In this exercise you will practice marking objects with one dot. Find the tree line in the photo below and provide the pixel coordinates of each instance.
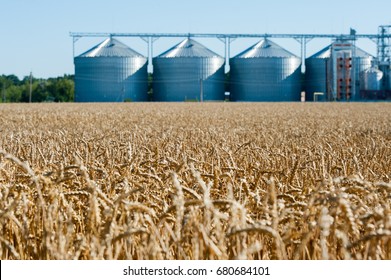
(60, 89)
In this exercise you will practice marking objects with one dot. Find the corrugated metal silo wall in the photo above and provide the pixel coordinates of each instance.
(111, 79)
(315, 78)
(362, 64)
(265, 79)
(371, 79)
(388, 79)
(178, 79)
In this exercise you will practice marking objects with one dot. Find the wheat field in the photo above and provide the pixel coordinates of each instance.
(195, 181)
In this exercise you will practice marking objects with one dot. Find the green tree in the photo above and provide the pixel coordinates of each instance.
(13, 94)
(40, 93)
(65, 90)
(60, 89)
(12, 80)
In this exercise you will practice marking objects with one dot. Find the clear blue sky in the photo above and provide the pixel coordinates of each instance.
(35, 33)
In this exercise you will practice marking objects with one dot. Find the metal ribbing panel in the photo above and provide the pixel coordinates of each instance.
(363, 63)
(371, 79)
(179, 78)
(265, 79)
(388, 77)
(185, 71)
(386, 81)
(110, 79)
(265, 72)
(316, 78)
(136, 79)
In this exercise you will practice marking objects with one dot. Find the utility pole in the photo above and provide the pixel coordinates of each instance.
(31, 86)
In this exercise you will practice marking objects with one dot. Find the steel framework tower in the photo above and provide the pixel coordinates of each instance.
(384, 43)
(227, 39)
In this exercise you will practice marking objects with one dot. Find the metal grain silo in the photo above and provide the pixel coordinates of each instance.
(385, 67)
(371, 84)
(319, 76)
(265, 72)
(371, 79)
(111, 72)
(187, 72)
(388, 84)
(316, 73)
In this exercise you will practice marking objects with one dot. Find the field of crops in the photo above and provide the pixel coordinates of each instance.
(195, 181)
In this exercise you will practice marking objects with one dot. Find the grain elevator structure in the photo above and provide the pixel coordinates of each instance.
(110, 72)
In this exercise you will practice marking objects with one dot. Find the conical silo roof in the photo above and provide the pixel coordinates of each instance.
(263, 49)
(188, 48)
(326, 53)
(111, 48)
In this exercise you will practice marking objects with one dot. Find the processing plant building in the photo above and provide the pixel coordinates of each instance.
(337, 72)
(189, 71)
